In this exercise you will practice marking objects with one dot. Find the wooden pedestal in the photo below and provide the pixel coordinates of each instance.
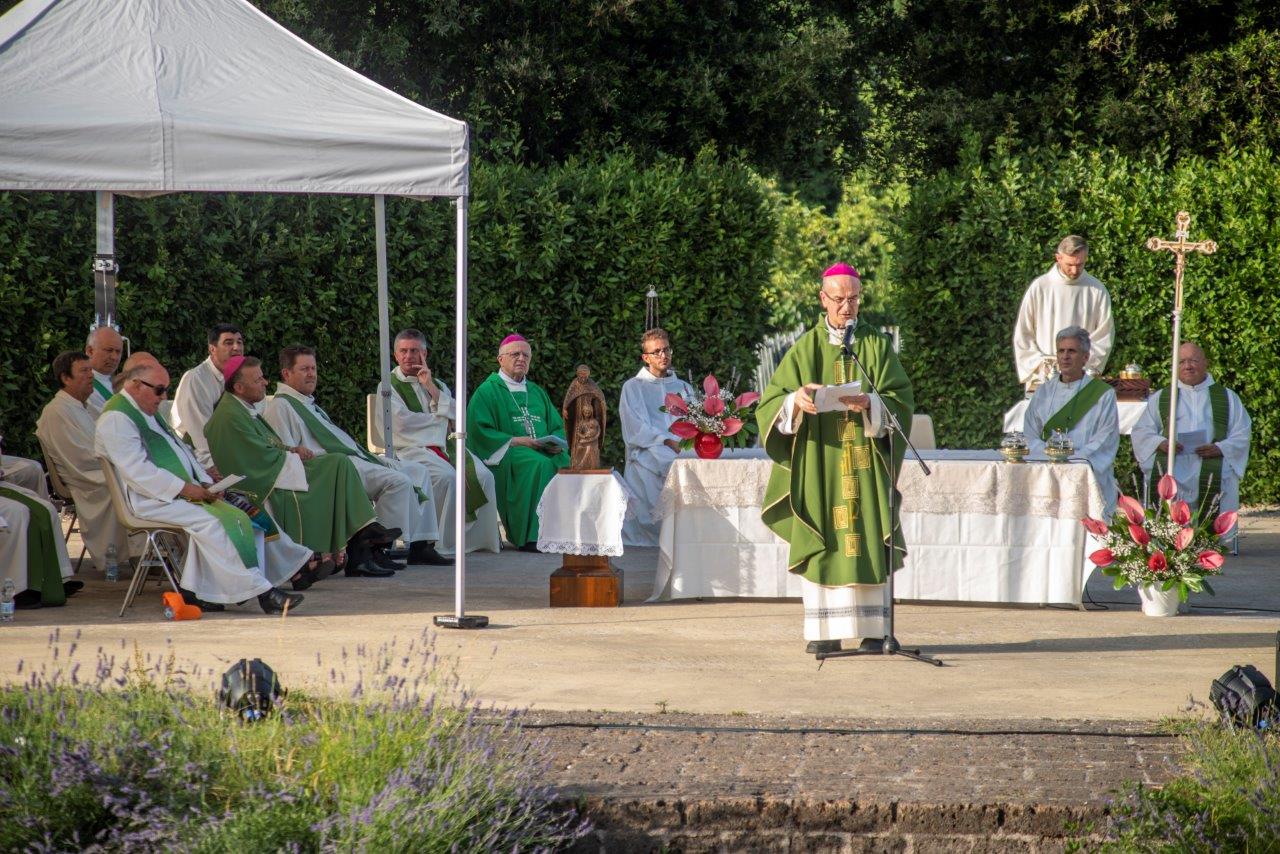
(586, 581)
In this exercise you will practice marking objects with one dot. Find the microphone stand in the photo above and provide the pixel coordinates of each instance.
(890, 645)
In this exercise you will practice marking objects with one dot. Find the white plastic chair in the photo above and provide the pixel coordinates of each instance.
(64, 495)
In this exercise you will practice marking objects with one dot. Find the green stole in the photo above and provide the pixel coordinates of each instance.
(233, 520)
(1074, 409)
(475, 492)
(43, 572)
(102, 390)
(1211, 469)
(828, 491)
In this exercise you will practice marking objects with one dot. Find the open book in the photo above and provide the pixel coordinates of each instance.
(225, 484)
(827, 398)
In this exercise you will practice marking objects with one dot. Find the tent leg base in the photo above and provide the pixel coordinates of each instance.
(467, 621)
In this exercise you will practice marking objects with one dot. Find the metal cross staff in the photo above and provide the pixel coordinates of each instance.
(1179, 246)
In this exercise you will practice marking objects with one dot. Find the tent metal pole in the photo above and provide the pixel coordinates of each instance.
(104, 262)
(460, 619)
(384, 323)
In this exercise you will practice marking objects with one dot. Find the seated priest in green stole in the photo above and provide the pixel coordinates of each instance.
(400, 490)
(32, 552)
(1082, 407)
(828, 491)
(515, 429)
(319, 501)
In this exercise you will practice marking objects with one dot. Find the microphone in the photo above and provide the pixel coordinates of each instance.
(848, 336)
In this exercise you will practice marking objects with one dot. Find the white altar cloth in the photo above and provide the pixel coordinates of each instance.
(581, 514)
(978, 530)
(1129, 411)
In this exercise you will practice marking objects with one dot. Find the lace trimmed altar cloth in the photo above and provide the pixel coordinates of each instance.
(582, 514)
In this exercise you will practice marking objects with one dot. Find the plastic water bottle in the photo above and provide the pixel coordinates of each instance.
(6, 601)
(113, 568)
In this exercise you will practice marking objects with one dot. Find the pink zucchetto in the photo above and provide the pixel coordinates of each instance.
(841, 269)
(230, 366)
(514, 336)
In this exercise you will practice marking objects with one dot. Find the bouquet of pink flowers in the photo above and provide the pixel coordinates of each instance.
(1162, 547)
(713, 420)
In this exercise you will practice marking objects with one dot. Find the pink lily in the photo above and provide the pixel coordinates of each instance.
(1209, 559)
(1132, 509)
(1180, 512)
(1157, 562)
(1225, 522)
(675, 404)
(1094, 526)
(1167, 488)
(1139, 534)
(731, 426)
(713, 405)
(1184, 538)
(746, 399)
(1103, 557)
(684, 430)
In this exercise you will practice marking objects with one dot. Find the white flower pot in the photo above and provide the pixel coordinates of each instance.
(1157, 602)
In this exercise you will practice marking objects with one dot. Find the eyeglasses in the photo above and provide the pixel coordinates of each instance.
(516, 355)
(853, 300)
(160, 390)
(661, 351)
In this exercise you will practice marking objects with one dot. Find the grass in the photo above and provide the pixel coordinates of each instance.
(139, 757)
(1226, 799)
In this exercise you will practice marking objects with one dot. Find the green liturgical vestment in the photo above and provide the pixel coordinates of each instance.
(496, 414)
(44, 575)
(323, 518)
(828, 493)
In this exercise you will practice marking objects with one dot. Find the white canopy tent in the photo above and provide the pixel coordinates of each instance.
(143, 97)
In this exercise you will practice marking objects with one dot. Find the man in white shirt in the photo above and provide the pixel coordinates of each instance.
(651, 448)
(422, 411)
(1217, 429)
(200, 389)
(104, 348)
(66, 429)
(1064, 296)
(1083, 408)
(400, 490)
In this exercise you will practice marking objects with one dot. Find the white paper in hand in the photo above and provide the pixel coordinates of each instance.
(225, 484)
(827, 398)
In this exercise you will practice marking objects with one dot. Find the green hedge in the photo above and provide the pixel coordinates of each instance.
(563, 255)
(969, 241)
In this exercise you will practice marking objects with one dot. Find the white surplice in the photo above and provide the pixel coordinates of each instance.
(644, 430)
(854, 610)
(1096, 436)
(1052, 303)
(413, 434)
(193, 403)
(26, 473)
(212, 568)
(66, 428)
(390, 487)
(1195, 414)
(14, 555)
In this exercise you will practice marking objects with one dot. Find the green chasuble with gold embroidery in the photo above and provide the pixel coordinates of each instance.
(324, 517)
(496, 414)
(828, 493)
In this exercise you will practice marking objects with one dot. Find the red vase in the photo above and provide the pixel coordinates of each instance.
(708, 446)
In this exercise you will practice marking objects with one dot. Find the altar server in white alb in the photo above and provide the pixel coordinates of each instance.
(422, 412)
(1082, 407)
(1213, 434)
(66, 430)
(392, 485)
(1064, 296)
(201, 388)
(104, 348)
(646, 430)
(164, 482)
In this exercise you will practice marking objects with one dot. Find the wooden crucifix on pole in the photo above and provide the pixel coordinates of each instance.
(1179, 246)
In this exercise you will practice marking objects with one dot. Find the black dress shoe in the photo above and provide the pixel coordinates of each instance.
(531, 546)
(376, 535)
(815, 647)
(424, 552)
(275, 600)
(71, 588)
(27, 600)
(190, 599)
(366, 568)
(384, 560)
(872, 645)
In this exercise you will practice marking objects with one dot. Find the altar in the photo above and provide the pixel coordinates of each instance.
(978, 530)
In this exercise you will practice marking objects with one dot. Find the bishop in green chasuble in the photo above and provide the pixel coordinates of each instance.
(828, 492)
(325, 515)
(507, 416)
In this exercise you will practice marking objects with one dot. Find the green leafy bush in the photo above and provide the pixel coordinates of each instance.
(969, 240)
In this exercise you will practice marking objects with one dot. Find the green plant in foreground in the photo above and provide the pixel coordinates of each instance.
(140, 759)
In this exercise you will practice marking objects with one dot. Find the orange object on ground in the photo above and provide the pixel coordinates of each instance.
(176, 609)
